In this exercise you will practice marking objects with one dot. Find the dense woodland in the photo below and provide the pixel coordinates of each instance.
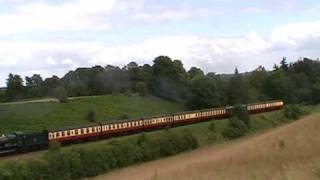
(297, 82)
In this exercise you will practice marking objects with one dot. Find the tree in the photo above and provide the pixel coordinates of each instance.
(241, 113)
(236, 72)
(257, 81)
(284, 65)
(34, 86)
(316, 91)
(279, 85)
(194, 72)
(237, 89)
(204, 93)
(61, 94)
(15, 89)
(131, 65)
(169, 79)
(77, 82)
(2, 95)
(50, 84)
(142, 88)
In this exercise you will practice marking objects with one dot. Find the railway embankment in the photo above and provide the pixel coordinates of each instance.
(77, 161)
(290, 152)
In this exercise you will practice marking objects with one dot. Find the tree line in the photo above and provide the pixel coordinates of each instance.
(297, 82)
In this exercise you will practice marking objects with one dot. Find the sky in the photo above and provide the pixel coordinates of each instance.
(51, 37)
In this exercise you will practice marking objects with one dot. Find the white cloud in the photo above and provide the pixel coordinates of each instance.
(291, 34)
(211, 54)
(51, 61)
(67, 61)
(87, 15)
(69, 16)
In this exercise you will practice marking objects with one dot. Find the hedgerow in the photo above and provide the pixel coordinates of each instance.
(83, 162)
(292, 111)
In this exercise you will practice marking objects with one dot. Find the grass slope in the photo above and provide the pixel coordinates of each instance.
(203, 132)
(32, 117)
(288, 152)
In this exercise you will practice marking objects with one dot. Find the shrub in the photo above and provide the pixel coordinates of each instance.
(212, 127)
(61, 94)
(91, 117)
(142, 89)
(141, 138)
(241, 113)
(124, 116)
(212, 133)
(37, 169)
(235, 129)
(292, 111)
(80, 162)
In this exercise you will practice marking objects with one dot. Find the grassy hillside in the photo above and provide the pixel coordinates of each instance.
(287, 152)
(108, 154)
(37, 116)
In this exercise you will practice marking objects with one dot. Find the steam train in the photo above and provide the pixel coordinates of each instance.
(22, 142)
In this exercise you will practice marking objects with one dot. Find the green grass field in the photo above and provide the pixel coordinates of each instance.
(32, 117)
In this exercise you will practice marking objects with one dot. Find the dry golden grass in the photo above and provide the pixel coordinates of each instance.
(287, 152)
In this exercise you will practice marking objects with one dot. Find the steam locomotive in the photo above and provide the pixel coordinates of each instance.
(22, 142)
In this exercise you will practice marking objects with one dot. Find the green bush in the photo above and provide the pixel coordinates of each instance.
(212, 127)
(83, 162)
(91, 116)
(235, 129)
(124, 116)
(292, 111)
(241, 113)
(61, 94)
